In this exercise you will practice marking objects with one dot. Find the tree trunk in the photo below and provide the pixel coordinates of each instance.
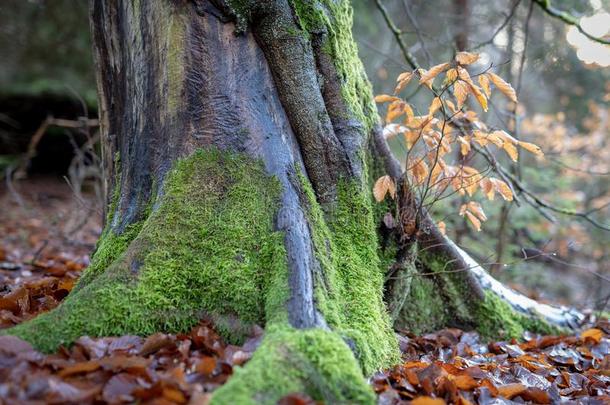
(240, 141)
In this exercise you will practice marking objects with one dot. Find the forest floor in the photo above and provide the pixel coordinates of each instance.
(45, 242)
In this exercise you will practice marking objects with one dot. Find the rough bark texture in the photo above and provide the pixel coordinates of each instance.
(239, 147)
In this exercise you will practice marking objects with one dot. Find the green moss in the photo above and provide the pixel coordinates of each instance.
(424, 310)
(335, 17)
(313, 361)
(209, 248)
(349, 290)
(427, 310)
(496, 319)
(109, 248)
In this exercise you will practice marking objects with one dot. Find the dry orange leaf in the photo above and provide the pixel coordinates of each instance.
(502, 188)
(403, 79)
(510, 391)
(384, 98)
(503, 86)
(173, 395)
(460, 91)
(530, 147)
(484, 82)
(478, 94)
(477, 210)
(464, 145)
(420, 171)
(424, 400)
(474, 221)
(466, 58)
(383, 185)
(78, 368)
(435, 105)
(593, 334)
(442, 227)
(427, 77)
(511, 151)
(465, 382)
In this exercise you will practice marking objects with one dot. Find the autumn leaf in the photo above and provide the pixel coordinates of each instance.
(395, 110)
(464, 145)
(488, 188)
(593, 334)
(79, 368)
(383, 185)
(403, 79)
(470, 178)
(474, 221)
(502, 188)
(408, 112)
(206, 365)
(505, 136)
(435, 105)
(464, 382)
(427, 77)
(477, 210)
(384, 98)
(511, 151)
(411, 138)
(442, 227)
(425, 400)
(466, 58)
(460, 91)
(404, 76)
(530, 147)
(420, 171)
(484, 82)
(510, 391)
(503, 86)
(452, 75)
(478, 94)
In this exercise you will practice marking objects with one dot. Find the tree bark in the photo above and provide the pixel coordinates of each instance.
(240, 141)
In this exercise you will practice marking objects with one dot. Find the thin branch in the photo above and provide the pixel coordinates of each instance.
(569, 19)
(397, 34)
(534, 200)
(501, 27)
(591, 172)
(415, 24)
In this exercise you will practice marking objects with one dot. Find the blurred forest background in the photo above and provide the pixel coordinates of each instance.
(554, 248)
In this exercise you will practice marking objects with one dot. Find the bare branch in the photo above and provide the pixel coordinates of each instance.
(569, 19)
(397, 34)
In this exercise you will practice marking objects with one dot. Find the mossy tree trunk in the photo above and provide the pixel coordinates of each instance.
(240, 141)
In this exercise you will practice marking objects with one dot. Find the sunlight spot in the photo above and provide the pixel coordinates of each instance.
(589, 51)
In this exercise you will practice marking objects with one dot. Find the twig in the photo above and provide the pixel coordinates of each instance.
(534, 200)
(397, 34)
(569, 19)
(501, 27)
(415, 24)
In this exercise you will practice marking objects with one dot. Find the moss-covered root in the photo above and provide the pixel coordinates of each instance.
(314, 361)
(209, 248)
(426, 310)
(495, 318)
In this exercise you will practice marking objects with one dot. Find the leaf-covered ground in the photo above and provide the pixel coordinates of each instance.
(39, 263)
